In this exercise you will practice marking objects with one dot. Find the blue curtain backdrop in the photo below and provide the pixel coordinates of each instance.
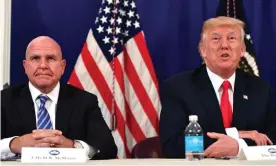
(171, 27)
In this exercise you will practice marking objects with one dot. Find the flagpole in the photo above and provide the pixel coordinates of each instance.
(113, 116)
(5, 34)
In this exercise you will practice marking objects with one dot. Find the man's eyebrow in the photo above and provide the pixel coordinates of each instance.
(232, 33)
(51, 55)
(34, 55)
(215, 33)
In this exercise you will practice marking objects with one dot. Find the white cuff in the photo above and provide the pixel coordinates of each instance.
(5, 147)
(90, 151)
(233, 132)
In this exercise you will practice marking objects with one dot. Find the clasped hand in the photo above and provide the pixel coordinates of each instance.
(225, 146)
(259, 138)
(41, 138)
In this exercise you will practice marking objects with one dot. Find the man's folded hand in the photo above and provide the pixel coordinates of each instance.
(259, 138)
(225, 146)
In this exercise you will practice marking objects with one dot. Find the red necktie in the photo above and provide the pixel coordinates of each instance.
(225, 105)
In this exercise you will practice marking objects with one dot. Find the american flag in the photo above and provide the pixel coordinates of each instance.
(235, 8)
(115, 64)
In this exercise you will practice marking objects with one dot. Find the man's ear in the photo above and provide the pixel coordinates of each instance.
(243, 49)
(24, 65)
(202, 50)
(63, 65)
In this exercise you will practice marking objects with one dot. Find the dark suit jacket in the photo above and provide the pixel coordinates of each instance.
(192, 93)
(77, 116)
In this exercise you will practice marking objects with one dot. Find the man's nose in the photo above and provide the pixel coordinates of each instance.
(43, 63)
(224, 44)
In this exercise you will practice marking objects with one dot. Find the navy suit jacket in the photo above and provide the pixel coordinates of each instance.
(192, 93)
(77, 116)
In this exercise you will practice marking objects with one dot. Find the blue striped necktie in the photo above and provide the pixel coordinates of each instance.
(44, 120)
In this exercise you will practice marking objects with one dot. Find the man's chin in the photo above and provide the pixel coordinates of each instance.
(226, 66)
(44, 84)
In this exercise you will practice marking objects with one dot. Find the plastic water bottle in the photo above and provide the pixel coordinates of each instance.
(194, 140)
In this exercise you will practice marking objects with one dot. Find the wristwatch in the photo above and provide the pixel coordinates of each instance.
(77, 144)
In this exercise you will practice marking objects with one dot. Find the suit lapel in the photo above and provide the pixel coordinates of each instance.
(64, 109)
(26, 110)
(240, 103)
(209, 100)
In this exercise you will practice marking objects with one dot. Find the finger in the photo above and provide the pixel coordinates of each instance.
(42, 145)
(42, 134)
(45, 133)
(263, 140)
(208, 151)
(244, 135)
(267, 139)
(242, 132)
(57, 140)
(57, 132)
(215, 135)
(257, 140)
(214, 154)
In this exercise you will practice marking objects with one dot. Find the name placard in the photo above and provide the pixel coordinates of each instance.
(53, 155)
(259, 153)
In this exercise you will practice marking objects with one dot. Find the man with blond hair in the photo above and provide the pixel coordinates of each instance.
(234, 108)
(44, 113)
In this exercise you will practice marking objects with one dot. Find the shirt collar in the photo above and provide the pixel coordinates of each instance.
(217, 80)
(53, 95)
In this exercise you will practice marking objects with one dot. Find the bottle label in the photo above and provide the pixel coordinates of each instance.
(193, 143)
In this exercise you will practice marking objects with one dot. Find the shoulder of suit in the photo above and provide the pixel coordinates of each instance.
(253, 79)
(186, 76)
(77, 91)
(14, 90)
(179, 77)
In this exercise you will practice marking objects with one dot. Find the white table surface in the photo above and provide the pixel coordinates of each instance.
(151, 162)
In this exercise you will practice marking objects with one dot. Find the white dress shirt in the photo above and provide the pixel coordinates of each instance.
(50, 105)
(217, 82)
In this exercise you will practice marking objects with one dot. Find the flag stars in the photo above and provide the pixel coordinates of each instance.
(128, 23)
(112, 50)
(248, 37)
(115, 11)
(104, 19)
(126, 33)
(125, 3)
(118, 30)
(132, 4)
(136, 24)
(115, 40)
(97, 20)
(107, 10)
(100, 29)
(106, 40)
(122, 12)
(109, 30)
(130, 14)
(109, 1)
(119, 20)
(100, 11)
(112, 20)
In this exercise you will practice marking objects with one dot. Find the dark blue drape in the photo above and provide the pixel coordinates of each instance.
(171, 27)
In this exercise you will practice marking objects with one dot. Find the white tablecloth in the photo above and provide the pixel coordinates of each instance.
(144, 162)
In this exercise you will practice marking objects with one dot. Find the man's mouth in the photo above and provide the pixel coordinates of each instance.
(44, 75)
(225, 55)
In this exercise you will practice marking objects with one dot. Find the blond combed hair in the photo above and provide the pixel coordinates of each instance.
(221, 21)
